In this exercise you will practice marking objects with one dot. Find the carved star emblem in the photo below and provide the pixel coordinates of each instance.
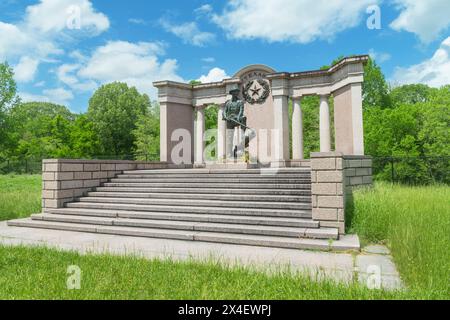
(255, 91)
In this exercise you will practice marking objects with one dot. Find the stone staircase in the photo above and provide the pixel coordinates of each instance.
(237, 206)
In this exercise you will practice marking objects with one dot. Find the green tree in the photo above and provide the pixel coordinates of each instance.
(33, 128)
(84, 141)
(114, 110)
(8, 98)
(147, 134)
(375, 88)
(410, 94)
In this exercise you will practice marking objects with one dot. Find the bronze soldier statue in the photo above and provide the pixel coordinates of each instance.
(234, 111)
(234, 116)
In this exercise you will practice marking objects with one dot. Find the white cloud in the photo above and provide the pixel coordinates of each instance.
(299, 21)
(137, 21)
(214, 75)
(204, 9)
(57, 95)
(209, 60)
(427, 18)
(189, 32)
(66, 74)
(14, 42)
(137, 64)
(434, 72)
(39, 84)
(57, 15)
(26, 69)
(379, 57)
(44, 29)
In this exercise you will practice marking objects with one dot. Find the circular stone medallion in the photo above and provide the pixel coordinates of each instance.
(256, 91)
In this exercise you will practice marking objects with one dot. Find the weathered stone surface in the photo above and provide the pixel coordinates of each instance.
(108, 167)
(82, 175)
(71, 167)
(48, 176)
(52, 185)
(329, 176)
(354, 163)
(324, 164)
(376, 249)
(356, 181)
(71, 184)
(51, 167)
(324, 188)
(63, 176)
(330, 202)
(91, 167)
(367, 180)
(340, 225)
(363, 171)
(48, 194)
(324, 214)
(63, 193)
(350, 172)
(91, 183)
(99, 175)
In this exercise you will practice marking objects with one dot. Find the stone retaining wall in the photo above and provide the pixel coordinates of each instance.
(65, 180)
(333, 177)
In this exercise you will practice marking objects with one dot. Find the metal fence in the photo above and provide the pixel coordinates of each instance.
(412, 170)
(407, 170)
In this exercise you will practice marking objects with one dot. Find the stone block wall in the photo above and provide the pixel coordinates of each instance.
(65, 180)
(333, 177)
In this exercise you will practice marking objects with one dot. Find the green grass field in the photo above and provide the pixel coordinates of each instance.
(413, 221)
(20, 196)
(41, 273)
(415, 224)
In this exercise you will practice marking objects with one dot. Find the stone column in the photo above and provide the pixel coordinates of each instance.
(325, 138)
(348, 120)
(199, 139)
(176, 122)
(221, 134)
(297, 130)
(280, 146)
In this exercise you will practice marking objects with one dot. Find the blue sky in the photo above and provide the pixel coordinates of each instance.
(62, 50)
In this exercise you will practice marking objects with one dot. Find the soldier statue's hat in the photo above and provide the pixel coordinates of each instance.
(234, 88)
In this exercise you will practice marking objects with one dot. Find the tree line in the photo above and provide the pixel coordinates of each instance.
(408, 121)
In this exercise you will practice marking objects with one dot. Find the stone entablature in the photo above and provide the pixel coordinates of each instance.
(333, 178)
(64, 180)
(347, 71)
(267, 96)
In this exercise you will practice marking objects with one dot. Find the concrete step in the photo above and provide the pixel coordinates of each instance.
(240, 186)
(293, 232)
(194, 209)
(241, 239)
(303, 175)
(212, 180)
(262, 171)
(213, 218)
(202, 203)
(215, 191)
(201, 196)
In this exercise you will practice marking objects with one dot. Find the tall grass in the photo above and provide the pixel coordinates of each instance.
(41, 273)
(415, 223)
(20, 196)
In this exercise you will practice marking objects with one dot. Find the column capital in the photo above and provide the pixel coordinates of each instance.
(201, 107)
(324, 95)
